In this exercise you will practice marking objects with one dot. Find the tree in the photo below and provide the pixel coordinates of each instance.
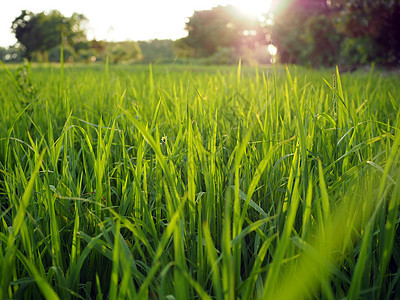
(376, 22)
(222, 27)
(10, 54)
(323, 41)
(127, 52)
(157, 51)
(182, 49)
(353, 31)
(296, 31)
(38, 33)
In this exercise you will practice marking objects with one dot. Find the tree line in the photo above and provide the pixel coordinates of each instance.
(40, 37)
(327, 32)
(308, 32)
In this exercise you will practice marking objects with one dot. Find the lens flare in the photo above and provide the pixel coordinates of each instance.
(253, 7)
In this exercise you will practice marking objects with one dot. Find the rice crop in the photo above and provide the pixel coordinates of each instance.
(198, 182)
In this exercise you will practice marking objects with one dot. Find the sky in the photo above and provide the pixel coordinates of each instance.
(119, 20)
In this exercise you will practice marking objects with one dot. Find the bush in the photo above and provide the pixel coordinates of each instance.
(355, 51)
(322, 41)
(224, 55)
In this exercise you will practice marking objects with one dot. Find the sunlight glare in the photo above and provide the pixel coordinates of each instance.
(253, 7)
(272, 49)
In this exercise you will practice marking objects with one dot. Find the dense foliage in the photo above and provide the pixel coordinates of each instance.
(39, 33)
(308, 32)
(157, 51)
(222, 27)
(319, 32)
(176, 182)
(305, 34)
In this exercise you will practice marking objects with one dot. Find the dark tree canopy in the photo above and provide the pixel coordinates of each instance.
(309, 32)
(38, 33)
(375, 20)
(300, 28)
(337, 31)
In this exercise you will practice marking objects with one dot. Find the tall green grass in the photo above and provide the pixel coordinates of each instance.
(187, 182)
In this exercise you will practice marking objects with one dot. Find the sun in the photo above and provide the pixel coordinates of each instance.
(253, 7)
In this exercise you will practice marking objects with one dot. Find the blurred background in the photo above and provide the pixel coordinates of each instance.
(315, 33)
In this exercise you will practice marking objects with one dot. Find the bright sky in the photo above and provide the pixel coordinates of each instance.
(118, 20)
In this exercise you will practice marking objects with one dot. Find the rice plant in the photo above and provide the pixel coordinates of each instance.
(195, 182)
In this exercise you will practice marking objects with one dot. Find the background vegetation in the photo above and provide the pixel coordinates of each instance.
(319, 32)
(315, 33)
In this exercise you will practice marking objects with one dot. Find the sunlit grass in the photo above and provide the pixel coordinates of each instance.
(198, 182)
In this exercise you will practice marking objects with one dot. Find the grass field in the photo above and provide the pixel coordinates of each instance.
(178, 182)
